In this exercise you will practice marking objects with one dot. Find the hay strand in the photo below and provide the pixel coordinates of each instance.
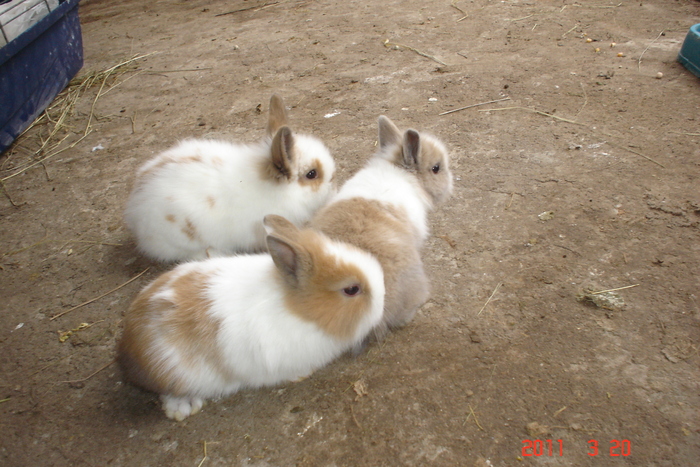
(473, 105)
(614, 290)
(639, 62)
(465, 15)
(64, 104)
(413, 49)
(534, 111)
(103, 295)
(487, 301)
(205, 455)
(476, 420)
(91, 374)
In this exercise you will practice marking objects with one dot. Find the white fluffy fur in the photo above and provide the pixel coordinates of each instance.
(383, 181)
(228, 175)
(263, 343)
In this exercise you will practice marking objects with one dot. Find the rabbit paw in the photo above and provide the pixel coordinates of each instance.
(179, 408)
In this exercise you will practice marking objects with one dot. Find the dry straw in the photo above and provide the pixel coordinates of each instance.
(63, 107)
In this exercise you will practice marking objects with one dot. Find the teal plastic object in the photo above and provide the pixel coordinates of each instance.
(689, 55)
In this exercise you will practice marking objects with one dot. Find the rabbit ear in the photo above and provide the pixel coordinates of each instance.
(291, 260)
(411, 148)
(282, 152)
(275, 224)
(389, 134)
(278, 115)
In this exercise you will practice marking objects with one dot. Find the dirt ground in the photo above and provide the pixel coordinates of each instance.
(585, 180)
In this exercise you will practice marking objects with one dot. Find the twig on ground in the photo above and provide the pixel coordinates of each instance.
(639, 62)
(352, 412)
(133, 123)
(43, 240)
(585, 100)
(487, 301)
(205, 455)
(567, 32)
(91, 374)
(178, 71)
(122, 82)
(265, 5)
(50, 364)
(40, 161)
(534, 111)
(464, 13)
(4, 190)
(614, 290)
(103, 295)
(512, 195)
(94, 102)
(590, 6)
(476, 420)
(637, 153)
(413, 49)
(473, 105)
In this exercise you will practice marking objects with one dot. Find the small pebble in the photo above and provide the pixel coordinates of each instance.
(659, 75)
(620, 54)
(589, 39)
(597, 49)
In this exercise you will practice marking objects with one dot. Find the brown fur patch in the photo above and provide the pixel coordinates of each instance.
(170, 218)
(182, 322)
(137, 338)
(319, 297)
(163, 160)
(167, 159)
(211, 202)
(314, 183)
(386, 233)
(190, 230)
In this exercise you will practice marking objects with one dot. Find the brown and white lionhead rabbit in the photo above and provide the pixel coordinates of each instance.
(206, 198)
(207, 329)
(383, 209)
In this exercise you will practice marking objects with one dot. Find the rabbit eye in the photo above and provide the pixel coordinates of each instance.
(311, 174)
(352, 290)
(436, 168)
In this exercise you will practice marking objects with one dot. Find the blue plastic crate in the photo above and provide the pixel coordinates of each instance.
(689, 55)
(36, 66)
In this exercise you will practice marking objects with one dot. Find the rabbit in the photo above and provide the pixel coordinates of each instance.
(209, 328)
(207, 198)
(383, 209)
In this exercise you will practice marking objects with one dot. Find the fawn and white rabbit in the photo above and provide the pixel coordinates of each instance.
(205, 198)
(383, 209)
(209, 328)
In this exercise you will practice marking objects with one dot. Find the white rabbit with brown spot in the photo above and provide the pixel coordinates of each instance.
(207, 329)
(205, 198)
(383, 209)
